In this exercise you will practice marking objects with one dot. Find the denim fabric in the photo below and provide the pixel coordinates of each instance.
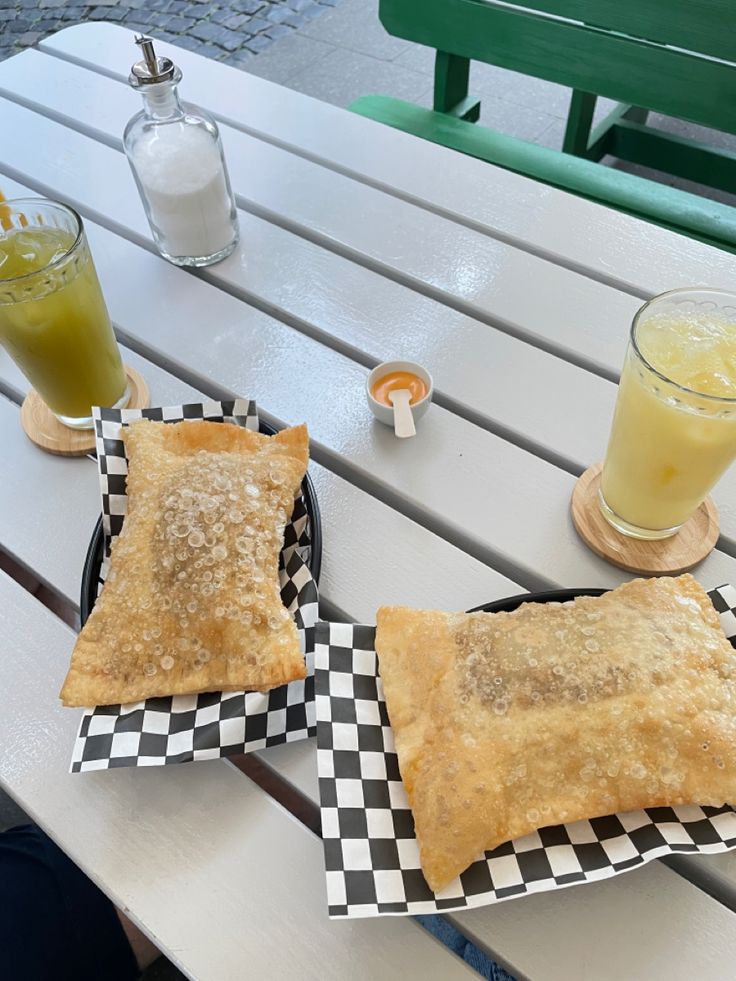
(461, 946)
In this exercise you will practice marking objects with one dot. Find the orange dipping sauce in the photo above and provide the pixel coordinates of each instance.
(395, 380)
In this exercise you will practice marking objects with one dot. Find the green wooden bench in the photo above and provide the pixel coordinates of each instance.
(676, 57)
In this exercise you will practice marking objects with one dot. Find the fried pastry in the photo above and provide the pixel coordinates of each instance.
(192, 600)
(508, 722)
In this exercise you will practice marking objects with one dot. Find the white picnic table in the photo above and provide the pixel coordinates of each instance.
(358, 244)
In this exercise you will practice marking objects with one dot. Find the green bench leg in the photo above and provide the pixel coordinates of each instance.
(678, 155)
(623, 133)
(451, 75)
(579, 121)
(582, 140)
(604, 140)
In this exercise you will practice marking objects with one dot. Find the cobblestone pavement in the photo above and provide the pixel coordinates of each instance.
(232, 31)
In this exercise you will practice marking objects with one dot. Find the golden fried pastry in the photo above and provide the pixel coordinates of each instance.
(192, 600)
(508, 722)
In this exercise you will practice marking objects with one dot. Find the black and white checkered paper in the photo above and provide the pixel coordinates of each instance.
(182, 728)
(371, 853)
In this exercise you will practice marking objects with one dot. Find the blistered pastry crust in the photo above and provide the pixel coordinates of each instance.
(192, 600)
(505, 723)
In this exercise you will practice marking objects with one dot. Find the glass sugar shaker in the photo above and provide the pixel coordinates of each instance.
(176, 156)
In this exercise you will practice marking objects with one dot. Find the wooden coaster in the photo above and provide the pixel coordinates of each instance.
(44, 429)
(669, 556)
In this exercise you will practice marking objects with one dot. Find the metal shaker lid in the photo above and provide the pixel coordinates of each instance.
(151, 69)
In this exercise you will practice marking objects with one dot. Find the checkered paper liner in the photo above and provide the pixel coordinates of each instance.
(183, 728)
(371, 853)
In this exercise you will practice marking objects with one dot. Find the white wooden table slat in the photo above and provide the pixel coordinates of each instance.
(49, 486)
(147, 838)
(503, 504)
(470, 363)
(646, 258)
(650, 913)
(35, 492)
(484, 277)
(477, 369)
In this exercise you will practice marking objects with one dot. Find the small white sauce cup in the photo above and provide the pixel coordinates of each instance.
(385, 413)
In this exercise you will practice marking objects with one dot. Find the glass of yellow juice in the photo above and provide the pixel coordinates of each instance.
(674, 427)
(53, 320)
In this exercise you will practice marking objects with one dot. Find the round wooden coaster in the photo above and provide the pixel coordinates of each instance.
(670, 556)
(44, 429)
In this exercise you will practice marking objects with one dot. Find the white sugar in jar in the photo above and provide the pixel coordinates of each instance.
(180, 175)
(175, 153)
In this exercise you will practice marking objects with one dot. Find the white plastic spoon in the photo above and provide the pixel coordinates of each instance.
(403, 418)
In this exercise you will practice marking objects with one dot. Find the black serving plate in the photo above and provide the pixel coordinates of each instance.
(95, 552)
(512, 603)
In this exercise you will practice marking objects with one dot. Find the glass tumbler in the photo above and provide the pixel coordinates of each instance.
(674, 427)
(53, 318)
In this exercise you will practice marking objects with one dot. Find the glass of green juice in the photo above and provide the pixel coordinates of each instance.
(53, 320)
